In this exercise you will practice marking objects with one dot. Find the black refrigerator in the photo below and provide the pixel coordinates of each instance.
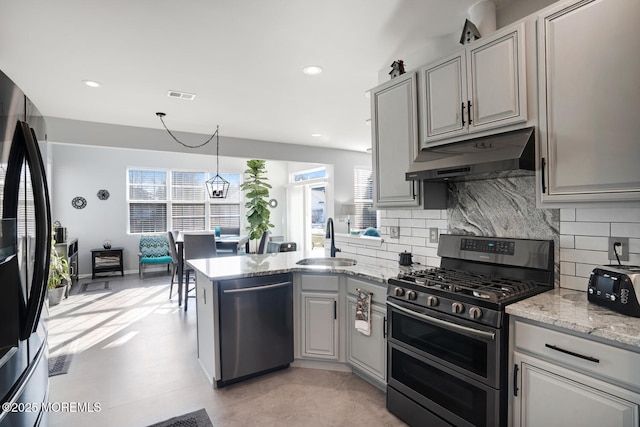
(25, 244)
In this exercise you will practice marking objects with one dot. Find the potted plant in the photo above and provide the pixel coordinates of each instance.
(257, 199)
(59, 276)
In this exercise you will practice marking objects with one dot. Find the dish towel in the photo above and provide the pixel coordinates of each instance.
(363, 312)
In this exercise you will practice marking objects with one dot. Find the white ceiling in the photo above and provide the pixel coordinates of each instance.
(243, 59)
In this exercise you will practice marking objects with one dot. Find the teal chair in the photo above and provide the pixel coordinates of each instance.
(154, 250)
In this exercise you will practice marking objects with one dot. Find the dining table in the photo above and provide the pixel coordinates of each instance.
(229, 244)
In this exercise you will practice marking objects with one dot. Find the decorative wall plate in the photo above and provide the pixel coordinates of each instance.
(103, 194)
(273, 203)
(79, 202)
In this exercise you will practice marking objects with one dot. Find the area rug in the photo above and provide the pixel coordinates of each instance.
(95, 286)
(192, 419)
(59, 365)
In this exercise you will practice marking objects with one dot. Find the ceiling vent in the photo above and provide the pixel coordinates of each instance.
(181, 95)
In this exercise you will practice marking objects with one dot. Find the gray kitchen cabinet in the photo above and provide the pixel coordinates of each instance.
(563, 379)
(320, 317)
(206, 326)
(394, 129)
(481, 87)
(368, 354)
(588, 91)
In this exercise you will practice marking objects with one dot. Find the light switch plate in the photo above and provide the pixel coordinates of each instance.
(395, 232)
(623, 251)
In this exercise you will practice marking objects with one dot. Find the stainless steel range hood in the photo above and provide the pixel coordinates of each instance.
(466, 159)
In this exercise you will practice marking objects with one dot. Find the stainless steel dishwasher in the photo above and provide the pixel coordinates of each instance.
(256, 326)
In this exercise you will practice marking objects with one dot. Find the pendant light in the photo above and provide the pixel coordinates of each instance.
(217, 187)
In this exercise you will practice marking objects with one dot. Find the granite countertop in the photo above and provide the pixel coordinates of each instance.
(283, 262)
(571, 310)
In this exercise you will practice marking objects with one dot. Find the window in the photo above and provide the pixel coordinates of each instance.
(188, 197)
(161, 200)
(363, 199)
(147, 201)
(309, 175)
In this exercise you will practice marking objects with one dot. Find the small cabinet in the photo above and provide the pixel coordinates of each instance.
(563, 379)
(69, 251)
(479, 88)
(588, 70)
(394, 128)
(368, 354)
(106, 261)
(320, 317)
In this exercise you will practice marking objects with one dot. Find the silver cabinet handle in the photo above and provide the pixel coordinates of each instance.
(256, 288)
(444, 323)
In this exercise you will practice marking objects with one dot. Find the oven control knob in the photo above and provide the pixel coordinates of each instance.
(411, 295)
(475, 313)
(457, 308)
(432, 301)
(398, 292)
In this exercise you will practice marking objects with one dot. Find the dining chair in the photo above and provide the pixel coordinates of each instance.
(262, 247)
(172, 235)
(197, 246)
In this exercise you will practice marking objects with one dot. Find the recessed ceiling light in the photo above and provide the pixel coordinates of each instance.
(91, 83)
(312, 70)
(316, 135)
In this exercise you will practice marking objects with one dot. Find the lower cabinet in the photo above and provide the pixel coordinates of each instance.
(368, 353)
(560, 378)
(320, 316)
(320, 325)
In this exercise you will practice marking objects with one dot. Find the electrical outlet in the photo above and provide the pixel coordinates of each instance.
(623, 249)
(395, 232)
(433, 235)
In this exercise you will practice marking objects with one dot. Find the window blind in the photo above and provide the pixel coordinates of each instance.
(363, 199)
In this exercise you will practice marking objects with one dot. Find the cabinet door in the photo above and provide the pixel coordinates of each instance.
(394, 128)
(320, 325)
(444, 99)
(551, 395)
(589, 90)
(497, 82)
(205, 326)
(368, 353)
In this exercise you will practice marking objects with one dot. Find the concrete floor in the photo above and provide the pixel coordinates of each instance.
(135, 355)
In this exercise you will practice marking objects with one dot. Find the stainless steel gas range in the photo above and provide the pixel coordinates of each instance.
(447, 342)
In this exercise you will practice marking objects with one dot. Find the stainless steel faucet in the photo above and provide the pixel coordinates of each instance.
(331, 233)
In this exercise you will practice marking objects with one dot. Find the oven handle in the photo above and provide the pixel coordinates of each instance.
(444, 323)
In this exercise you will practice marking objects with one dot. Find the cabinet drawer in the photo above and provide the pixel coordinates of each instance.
(379, 291)
(322, 283)
(589, 356)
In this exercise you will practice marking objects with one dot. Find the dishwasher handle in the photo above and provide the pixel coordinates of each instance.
(257, 288)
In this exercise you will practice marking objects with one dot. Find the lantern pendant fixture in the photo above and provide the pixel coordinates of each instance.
(217, 187)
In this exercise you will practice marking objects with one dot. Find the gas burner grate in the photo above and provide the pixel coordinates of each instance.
(491, 288)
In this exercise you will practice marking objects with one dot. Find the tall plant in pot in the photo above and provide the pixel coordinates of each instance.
(257, 196)
(59, 276)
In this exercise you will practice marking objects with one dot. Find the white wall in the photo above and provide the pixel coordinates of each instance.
(78, 170)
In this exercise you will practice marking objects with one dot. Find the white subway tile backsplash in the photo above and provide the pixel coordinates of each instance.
(437, 223)
(567, 241)
(399, 213)
(568, 214)
(413, 241)
(417, 223)
(576, 255)
(592, 243)
(568, 268)
(389, 222)
(608, 215)
(585, 228)
(429, 214)
(625, 229)
(573, 282)
(584, 270)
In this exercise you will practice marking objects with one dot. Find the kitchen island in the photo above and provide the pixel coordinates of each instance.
(323, 318)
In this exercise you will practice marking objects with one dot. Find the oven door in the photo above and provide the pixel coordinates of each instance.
(471, 349)
(446, 369)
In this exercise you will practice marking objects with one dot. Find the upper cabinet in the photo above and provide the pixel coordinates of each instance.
(481, 87)
(589, 87)
(394, 127)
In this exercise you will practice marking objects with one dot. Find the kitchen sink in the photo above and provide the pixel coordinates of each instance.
(328, 262)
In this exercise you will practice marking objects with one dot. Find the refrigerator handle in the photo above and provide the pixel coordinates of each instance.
(43, 230)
